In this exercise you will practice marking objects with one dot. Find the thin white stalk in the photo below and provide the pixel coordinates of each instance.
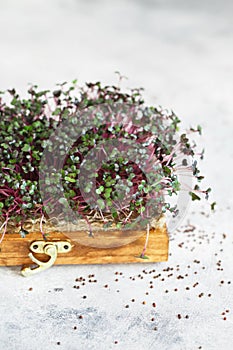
(41, 227)
(102, 215)
(4, 232)
(147, 239)
(126, 219)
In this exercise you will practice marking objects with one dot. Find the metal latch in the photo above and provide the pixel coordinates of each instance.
(45, 247)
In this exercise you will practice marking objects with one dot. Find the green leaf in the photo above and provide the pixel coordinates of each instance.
(5, 145)
(100, 190)
(144, 257)
(87, 189)
(26, 148)
(207, 193)
(71, 193)
(63, 201)
(199, 129)
(167, 171)
(118, 225)
(114, 213)
(199, 178)
(100, 204)
(212, 206)
(109, 202)
(194, 196)
(27, 205)
(69, 179)
(107, 192)
(57, 111)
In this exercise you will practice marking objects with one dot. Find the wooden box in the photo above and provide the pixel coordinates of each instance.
(15, 250)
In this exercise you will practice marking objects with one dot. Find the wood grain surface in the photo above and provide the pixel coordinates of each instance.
(14, 250)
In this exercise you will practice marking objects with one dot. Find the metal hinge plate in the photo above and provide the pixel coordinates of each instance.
(51, 249)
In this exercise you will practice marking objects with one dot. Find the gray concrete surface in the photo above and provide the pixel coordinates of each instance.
(182, 53)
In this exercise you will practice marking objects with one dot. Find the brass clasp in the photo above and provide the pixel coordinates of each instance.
(49, 248)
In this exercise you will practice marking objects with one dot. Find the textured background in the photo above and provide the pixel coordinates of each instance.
(182, 53)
